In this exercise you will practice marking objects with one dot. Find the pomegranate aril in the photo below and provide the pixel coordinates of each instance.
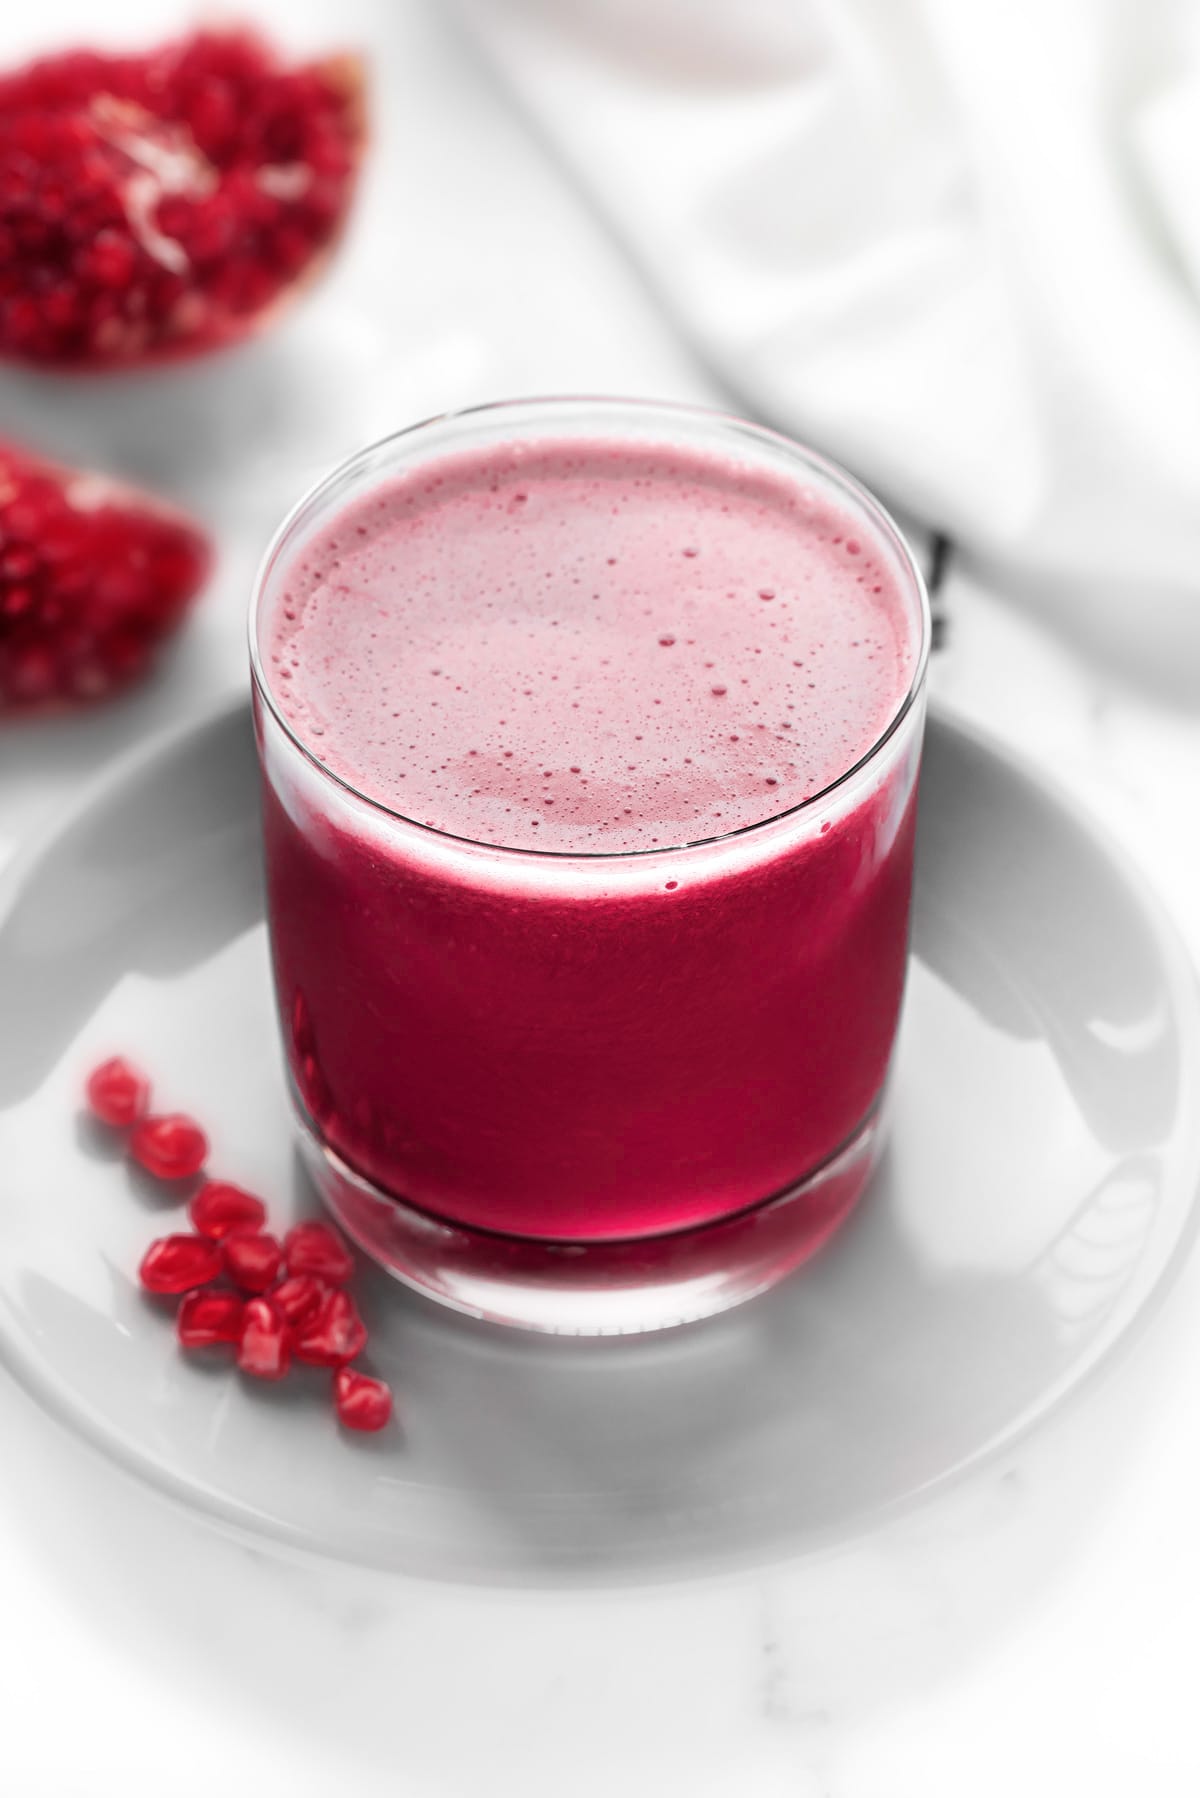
(220, 1208)
(336, 1335)
(300, 1298)
(264, 1347)
(171, 1147)
(116, 1093)
(206, 1318)
(18, 564)
(318, 1249)
(175, 1264)
(362, 1403)
(109, 260)
(252, 1261)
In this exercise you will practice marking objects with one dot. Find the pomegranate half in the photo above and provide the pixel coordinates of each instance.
(162, 205)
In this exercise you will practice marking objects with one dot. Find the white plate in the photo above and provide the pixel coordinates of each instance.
(1039, 1190)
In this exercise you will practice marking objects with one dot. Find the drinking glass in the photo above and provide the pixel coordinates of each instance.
(589, 1092)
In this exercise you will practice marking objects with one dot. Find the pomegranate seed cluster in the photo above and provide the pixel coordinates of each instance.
(162, 204)
(272, 1302)
(93, 577)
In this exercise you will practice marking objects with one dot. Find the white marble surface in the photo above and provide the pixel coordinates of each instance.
(1033, 1631)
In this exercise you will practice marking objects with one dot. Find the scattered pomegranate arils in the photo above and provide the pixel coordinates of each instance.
(220, 1208)
(94, 576)
(300, 1298)
(264, 1347)
(336, 1335)
(307, 1315)
(362, 1403)
(252, 1261)
(175, 1264)
(171, 1147)
(206, 1318)
(318, 1249)
(116, 1093)
(161, 205)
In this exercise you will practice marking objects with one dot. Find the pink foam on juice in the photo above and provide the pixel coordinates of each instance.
(594, 652)
(589, 651)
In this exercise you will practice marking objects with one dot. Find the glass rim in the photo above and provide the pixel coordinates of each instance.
(823, 466)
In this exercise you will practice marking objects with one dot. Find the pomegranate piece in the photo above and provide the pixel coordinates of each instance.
(116, 1093)
(362, 1403)
(336, 1335)
(252, 1261)
(94, 577)
(170, 1147)
(206, 1318)
(175, 1264)
(300, 1298)
(166, 204)
(220, 1208)
(318, 1249)
(264, 1347)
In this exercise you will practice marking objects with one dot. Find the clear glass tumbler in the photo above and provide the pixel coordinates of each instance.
(588, 1093)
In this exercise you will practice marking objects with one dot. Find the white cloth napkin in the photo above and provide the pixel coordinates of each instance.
(953, 243)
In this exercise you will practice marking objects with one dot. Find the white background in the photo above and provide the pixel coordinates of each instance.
(1035, 1632)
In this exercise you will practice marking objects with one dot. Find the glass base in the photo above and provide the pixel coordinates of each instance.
(603, 1288)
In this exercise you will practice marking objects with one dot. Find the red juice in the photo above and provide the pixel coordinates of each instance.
(589, 890)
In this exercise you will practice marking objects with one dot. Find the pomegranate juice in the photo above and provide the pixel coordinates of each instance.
(589, 774)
